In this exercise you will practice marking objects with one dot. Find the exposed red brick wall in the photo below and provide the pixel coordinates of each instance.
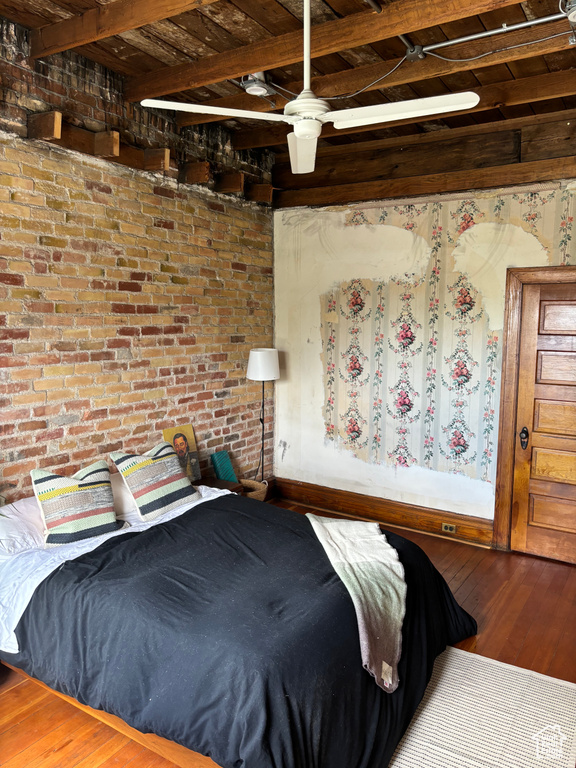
(128, 304)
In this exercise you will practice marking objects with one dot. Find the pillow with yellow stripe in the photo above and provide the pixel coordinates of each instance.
(155, 480)
(77, 507)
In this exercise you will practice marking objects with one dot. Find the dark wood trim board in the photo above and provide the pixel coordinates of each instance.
(476, 530)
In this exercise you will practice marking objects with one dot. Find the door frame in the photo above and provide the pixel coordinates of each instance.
(516, 279)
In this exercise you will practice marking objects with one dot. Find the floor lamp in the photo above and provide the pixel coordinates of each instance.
(263, 366)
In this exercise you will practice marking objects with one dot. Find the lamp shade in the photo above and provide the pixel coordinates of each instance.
(263, 365)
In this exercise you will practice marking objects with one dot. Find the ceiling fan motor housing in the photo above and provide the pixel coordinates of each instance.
(310, 110)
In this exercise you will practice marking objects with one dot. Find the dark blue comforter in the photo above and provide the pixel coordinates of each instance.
(228, 631)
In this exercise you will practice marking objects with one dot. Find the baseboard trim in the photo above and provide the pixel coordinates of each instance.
(476, 530)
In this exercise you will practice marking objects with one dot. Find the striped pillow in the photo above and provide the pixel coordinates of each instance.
(155, 480)
(77, 507)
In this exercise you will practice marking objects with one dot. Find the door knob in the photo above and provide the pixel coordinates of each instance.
(524, 437)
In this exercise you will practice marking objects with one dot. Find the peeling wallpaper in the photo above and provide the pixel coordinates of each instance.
(390, 319)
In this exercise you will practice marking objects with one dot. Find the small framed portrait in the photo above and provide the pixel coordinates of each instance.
(184, 443)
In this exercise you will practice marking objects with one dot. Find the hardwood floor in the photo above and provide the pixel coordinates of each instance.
(525, 608)
(40, 730)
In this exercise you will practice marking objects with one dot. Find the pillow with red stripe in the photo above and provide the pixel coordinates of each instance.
(155, 480)
(77, 507)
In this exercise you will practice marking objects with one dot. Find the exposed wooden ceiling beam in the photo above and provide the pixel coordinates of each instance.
(533, 141)
(330, 37)
(351, 80)
(525, 91)
(105, 21)
(483, 178)
(399, 142)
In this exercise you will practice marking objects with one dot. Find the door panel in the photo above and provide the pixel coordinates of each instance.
(544, 488)
(558, 418)
(556, 367)
(548, 512)
(557, 318)
(553, 465)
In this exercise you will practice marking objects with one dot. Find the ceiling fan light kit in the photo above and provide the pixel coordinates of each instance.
(570, 10)
(307, 113)
(255, 84)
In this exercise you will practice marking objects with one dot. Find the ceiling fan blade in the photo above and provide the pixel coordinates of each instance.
(398, 110)
(302, 153)
(182, 106)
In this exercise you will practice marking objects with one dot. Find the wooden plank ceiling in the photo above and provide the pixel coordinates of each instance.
(523, 129)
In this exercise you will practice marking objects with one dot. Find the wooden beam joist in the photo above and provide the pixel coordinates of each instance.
(230, 183)
(101, 144)
(432, 137)
(483, 178)
(144, 159)
(509, 93)
(196, 173)
(489, 149)
(260, 193)
(332, 36)
(105, 21)
(49, 127)
(45, 125)
(453, 154)
(352, 80)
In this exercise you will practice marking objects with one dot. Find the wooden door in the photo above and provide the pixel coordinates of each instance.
(543, 518)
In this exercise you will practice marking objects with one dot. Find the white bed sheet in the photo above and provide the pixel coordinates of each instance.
(21, 573)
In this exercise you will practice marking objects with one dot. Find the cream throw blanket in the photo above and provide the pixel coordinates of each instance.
(374, 576)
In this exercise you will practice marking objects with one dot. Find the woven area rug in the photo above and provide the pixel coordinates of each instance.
(480, 713)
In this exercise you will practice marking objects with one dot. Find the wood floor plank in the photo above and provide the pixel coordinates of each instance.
(469, 578)
(105, 752)
(38, 736)
(548, 622)
(24, 729)
(498, 622)
(453, 561)
(563, 665)
(538, 579)
(131, 755)
(17, 700)
(62, 746)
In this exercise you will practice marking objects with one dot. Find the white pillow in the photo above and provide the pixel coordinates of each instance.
(125, 506)
(21, 526)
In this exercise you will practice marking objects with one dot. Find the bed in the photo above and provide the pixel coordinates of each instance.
(224, 627)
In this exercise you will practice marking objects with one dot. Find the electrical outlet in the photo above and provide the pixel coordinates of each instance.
(448, 528)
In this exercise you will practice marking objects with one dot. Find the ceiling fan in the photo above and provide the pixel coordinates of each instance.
(307, 113)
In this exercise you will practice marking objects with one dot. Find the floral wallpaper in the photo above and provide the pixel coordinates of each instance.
(412, 363)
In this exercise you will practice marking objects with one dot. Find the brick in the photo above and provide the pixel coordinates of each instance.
(29, 426)
(105, 189)
(163, 224)
(9, 278)
(123, 309)
(119, 344)
(12, 361)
